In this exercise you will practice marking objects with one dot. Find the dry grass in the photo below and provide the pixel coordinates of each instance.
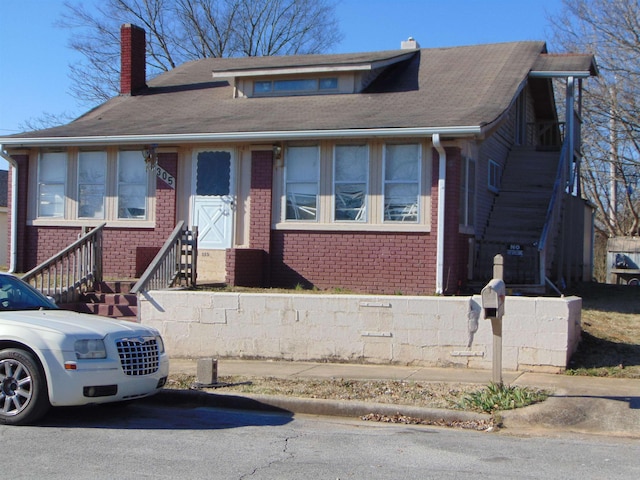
(611, 332)
(460, 396)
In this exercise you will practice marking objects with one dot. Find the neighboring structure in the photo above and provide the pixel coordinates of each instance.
(400, 171)
(4, 235)
(623, 260)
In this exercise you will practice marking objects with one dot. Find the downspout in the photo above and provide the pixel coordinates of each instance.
(442, 176)
(14, 209)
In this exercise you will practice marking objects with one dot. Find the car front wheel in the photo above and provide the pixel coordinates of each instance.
(23, 389)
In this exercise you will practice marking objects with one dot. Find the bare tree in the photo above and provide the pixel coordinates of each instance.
(182, 30)
(45, 120)
(611, 135)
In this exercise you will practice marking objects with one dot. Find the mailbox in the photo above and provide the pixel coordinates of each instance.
(493, 299)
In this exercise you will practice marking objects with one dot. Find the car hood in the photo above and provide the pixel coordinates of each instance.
(73, 323)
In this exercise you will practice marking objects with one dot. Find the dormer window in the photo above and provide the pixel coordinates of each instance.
(295, 86)
(305, 74)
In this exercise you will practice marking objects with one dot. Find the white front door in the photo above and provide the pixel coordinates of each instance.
(213, 198)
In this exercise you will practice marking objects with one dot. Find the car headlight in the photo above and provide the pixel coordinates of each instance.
(90, 349)
(160, 344)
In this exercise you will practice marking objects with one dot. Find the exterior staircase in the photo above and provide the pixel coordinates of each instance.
(518, 217)
(109, 299)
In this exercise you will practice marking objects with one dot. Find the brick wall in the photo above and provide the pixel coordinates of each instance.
(260, 195)
(250, 267)
(371, 262)
(244, 267)
(132, 59)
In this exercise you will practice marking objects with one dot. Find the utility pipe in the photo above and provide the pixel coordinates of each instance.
(442, 177)
(14, 209)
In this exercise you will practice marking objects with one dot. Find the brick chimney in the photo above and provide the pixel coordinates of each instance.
(133, 75)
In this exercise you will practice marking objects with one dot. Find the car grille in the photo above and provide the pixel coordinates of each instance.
(139, 355)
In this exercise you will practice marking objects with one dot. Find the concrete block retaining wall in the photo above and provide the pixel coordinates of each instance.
(538, 333)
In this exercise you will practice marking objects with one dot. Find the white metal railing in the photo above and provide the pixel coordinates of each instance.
(72, 271)
(174, 264)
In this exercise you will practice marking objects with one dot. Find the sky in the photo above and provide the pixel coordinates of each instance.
(35, 57)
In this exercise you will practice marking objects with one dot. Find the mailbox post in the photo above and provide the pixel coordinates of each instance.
(493, 297)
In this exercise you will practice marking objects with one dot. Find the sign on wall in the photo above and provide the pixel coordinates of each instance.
(515, 250)
(165, 176)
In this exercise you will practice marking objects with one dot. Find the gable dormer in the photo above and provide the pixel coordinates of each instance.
(307, 74)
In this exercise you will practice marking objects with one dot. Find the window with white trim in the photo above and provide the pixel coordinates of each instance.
(467, 192)
(52, 180)
(92, 184)
(495, 173)
(302, 176)
(402, 182)
(350, 182)
(132, 185)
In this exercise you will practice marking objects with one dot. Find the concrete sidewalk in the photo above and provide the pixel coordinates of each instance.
(605, 406)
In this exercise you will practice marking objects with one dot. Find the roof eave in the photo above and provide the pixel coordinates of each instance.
(308, 69)
(172, 139)
(559, 74)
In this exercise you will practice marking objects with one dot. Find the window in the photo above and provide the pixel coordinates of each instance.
(295, 86)
(350, 174)
(401, 182)
(92, 180)
(302, 172)
(467, 192)
(52, 175)
(132, 185)
(495, 173)
(355, 185)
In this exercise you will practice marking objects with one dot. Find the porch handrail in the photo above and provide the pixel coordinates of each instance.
(72, 270)
(558, 185)
(176, 260)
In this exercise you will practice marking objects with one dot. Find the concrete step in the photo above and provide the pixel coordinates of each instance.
(110, 299)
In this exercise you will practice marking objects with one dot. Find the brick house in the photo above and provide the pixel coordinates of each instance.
(399, 171)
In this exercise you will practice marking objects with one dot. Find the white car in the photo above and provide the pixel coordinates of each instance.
(56, 357)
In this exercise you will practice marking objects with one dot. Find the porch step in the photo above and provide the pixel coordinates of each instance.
(110, 299)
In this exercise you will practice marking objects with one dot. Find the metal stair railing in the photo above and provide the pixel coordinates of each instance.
(72, 271)
(175, 262)
(554, 208)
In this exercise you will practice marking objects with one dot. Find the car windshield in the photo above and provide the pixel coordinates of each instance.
(18, 295)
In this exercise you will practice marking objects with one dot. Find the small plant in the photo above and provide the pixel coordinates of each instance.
(497, 397)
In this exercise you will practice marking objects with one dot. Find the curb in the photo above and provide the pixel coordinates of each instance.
(310, 406)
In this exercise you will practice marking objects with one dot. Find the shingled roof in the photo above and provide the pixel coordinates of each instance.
(468, 86)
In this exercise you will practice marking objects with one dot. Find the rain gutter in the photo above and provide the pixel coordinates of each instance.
(14, 209)
(442, 177)
(166, 139)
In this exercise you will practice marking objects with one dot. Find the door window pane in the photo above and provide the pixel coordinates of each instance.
(214, 174)
(302, 170)
(132, 185)
(52, 174)
(92, 177)
(401, 182)
(351, 171)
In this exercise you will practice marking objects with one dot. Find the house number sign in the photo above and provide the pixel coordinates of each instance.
(165, 176)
